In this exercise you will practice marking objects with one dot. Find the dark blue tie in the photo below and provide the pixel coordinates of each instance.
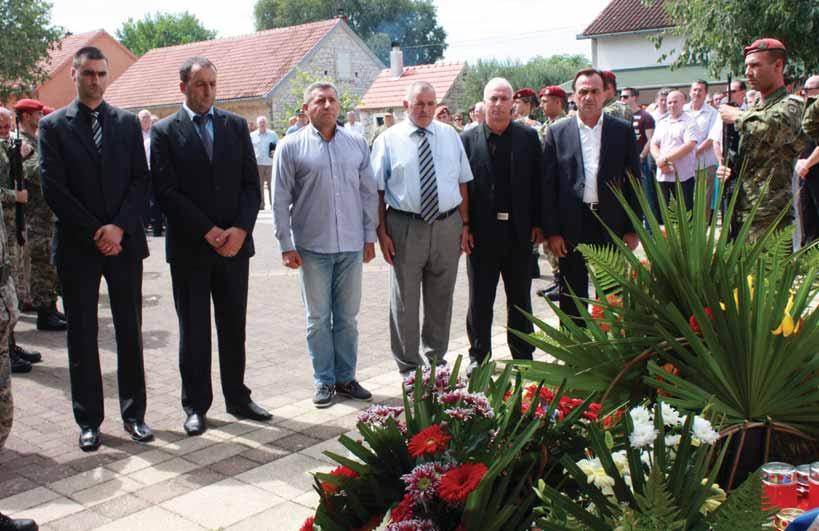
(201, 121)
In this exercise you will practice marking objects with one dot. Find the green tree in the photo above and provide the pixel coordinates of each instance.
(413, 23)
(536, 73)
(162, 29)
(733, 24)
(28, 38)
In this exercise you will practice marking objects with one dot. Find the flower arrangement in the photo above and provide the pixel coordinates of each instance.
(459, 456)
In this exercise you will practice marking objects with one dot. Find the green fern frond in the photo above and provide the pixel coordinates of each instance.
(657, 511)
(602, 261)
(742, 511)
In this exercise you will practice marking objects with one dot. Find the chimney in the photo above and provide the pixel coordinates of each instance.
(396, 60)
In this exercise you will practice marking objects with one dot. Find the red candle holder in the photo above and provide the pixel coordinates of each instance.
(779, 486)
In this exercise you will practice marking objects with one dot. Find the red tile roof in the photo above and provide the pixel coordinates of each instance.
(249, 65)
(623, 16)
(388, 91)
(69, 45)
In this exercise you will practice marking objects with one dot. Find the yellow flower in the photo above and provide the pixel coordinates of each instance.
(788, 326)
(715, 500)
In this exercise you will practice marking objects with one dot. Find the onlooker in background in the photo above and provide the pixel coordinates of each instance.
(716, 99)
(738, 93)
(264, 145)
(458, 121)
(659, 108)
(525, 103)
(751, 97)
(442, 114)
(644, 130)
(353, 125)
(389, 121)
(477, 116)
(611, 106)
(807, 167)
(672, 147)
(705, 116)
(154, 215)
(301, 121)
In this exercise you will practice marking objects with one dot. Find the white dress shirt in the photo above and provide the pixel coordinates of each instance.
(704, 118)
(590, 142)
(395, 164)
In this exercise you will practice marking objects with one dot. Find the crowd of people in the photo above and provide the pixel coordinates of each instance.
(427, 189)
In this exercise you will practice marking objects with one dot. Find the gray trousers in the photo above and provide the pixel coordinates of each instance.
(426, 257)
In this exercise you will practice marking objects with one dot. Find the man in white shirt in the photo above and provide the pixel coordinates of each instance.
(264, 145)
(673, 147)
(353, 125)
(704, 115)
(422, 173)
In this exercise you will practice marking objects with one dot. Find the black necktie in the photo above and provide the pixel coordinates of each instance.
(96, 129)
(201, 121)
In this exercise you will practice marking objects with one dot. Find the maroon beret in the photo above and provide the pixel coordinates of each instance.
(28, 105)
(47, 110)
(552, 90)
(764, 45)
(525, 92)
(608, 76)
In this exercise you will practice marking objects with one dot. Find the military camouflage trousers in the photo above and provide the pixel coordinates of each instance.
(20, 260)
(43, 279)
(8, 317)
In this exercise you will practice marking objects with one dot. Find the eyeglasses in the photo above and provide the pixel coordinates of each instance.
(624, 96)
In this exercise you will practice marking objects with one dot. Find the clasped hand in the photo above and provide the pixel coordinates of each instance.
(108, 240)
(226, 242)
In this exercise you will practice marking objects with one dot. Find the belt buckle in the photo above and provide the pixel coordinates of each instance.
(594, 207)
(503, 216)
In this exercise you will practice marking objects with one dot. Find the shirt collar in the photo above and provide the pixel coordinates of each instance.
(85, 108)
(191, 114)
(316, 132)
(581, 125)
(412, 128)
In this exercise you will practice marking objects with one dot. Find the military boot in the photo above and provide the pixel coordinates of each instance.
(17, 524)
(18, 366)
(48, 320)
(23, 354)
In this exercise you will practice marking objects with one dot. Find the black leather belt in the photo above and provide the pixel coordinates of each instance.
(418, 216)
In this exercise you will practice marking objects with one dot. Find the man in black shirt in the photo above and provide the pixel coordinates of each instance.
(505, 158)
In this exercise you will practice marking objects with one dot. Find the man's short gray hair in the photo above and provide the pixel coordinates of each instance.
(318, 85)
(479, 106)
(5, 113)
(260, 118)
(497, 82)
(143, 113)
(418, 86)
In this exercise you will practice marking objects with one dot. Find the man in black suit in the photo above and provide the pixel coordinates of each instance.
(94, 176)
(504, 213)
(206, 180)
(583, 158)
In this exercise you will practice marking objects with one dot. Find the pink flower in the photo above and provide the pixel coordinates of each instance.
(422, 482)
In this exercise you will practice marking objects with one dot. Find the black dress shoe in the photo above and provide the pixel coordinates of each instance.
(19, 365)
(17, 524)
(31, 357)
(140, 432)
(89, 439)
(251, 410)
(49, 321)
(195, 424)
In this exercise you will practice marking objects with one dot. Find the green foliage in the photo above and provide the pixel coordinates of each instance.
(162, 29)
(28, 38)
(536, 73)
(413, 23)
(656, 508)
(733, 24)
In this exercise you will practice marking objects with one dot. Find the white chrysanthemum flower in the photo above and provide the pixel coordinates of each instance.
(703, 432)
(620, 461)
(671, 417)
(641, 415)
(672, 441)
(643, 435)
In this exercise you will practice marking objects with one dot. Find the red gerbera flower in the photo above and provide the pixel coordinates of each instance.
(428, 441)
(695, 326)
(308, 524)
(402, 511)
(459, 482)
(341, 471)
(592, 413)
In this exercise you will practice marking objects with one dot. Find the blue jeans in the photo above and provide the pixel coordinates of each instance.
(648, 169)
(331, 291)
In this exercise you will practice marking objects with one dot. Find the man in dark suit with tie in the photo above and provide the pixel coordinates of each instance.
(505, 157)
(94, 176)
(206, 180)
(583, 158)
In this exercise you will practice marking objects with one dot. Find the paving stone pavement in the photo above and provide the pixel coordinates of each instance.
(240, 475)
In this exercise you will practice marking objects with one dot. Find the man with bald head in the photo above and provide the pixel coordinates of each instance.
(504, 210)
(422, 174)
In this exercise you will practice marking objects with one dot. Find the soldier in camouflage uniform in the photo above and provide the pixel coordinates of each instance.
(525, 101)
(770, 137)
(810, 123)
(39, 222)
(389, 121)
(553, 104)
(612, 106)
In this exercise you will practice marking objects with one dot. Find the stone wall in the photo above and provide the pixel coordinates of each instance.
(342, 59)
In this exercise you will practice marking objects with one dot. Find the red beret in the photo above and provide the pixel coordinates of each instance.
(608, 76)
(28, 105)
(552, 90)
(441, 108)
(525, 92)
(764, 45)
(47, 110)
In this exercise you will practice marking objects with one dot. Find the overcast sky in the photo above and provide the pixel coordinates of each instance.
(475, 28)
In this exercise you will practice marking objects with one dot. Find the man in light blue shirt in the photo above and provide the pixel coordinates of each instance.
(264, 144)
(422, 170)
(325, 210)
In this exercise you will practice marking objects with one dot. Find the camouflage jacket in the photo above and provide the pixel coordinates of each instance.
(525, 120)
(7, 194)
(36, 208)
(541, 131)
(770, 138)
(810, 123)
(618, 109)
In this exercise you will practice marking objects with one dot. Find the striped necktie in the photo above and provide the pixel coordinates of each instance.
(96, 130)
(201, 121)
(429, 185)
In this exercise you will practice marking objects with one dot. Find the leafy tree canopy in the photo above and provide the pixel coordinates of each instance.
(162, 29)
(716, 32)
(536, 73)
(28, 37)
(413, 23)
